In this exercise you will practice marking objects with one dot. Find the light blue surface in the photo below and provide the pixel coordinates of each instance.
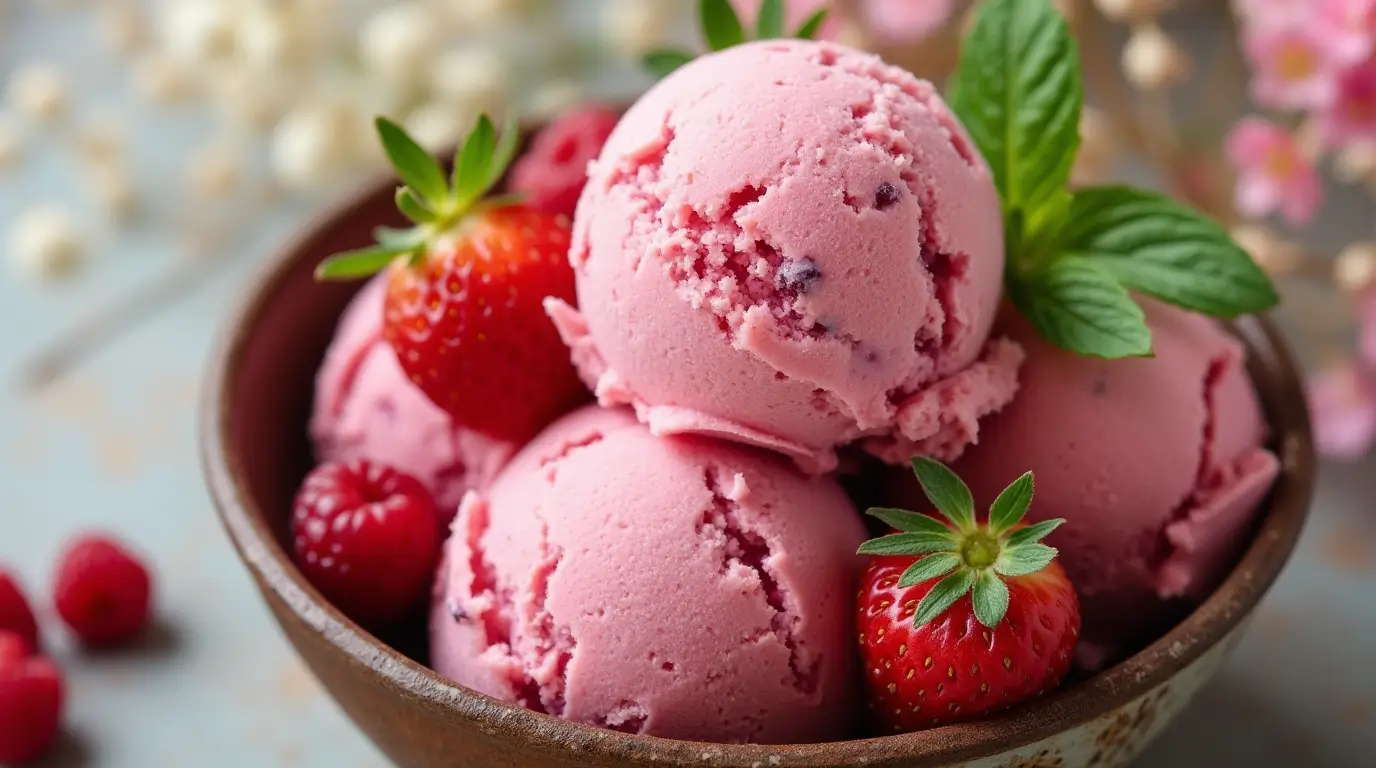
(112, 446)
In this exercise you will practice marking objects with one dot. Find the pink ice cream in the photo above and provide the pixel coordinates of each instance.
(794, 245)
(677, 586)
(365, 407)
(1156, 464)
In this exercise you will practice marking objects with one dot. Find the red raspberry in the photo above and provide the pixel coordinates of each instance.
(554, 169)
(102, 593)
(367, 537)
(30, 702)
(15, 614)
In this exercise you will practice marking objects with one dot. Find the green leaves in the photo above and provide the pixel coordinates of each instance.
(1020, 561)
(947, 492)
(363, 262)
(943, 596)
(1072, 260)
(416, 168)
(1157, 246)
(1019, 92)
(1079, 306)
(928, 568)
(907, 544)
(990, 599)
(722, 29)
(904, 520)
(1011, 504)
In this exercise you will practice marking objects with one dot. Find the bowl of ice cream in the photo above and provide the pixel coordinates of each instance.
(771, 317)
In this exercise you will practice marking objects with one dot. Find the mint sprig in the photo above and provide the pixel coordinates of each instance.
(969, 557)
(433, 204)
(1073, 258)
(722, 29)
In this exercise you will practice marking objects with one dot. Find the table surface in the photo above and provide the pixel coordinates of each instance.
(112, 445)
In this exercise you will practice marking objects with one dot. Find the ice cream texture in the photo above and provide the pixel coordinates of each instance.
(365, 407)
(680, 586)
(794, 245)
(1157, 465)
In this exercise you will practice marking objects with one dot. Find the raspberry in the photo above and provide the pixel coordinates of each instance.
(30, 702)
(102, 593)
(15, 614)
(554, 169)
(367, 537)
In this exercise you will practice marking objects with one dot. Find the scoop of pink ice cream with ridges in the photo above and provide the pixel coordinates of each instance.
(792, 244)
(1157, 465)
(366, 408)
(680, 587)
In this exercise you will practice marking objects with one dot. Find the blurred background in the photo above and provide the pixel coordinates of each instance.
(154, 155)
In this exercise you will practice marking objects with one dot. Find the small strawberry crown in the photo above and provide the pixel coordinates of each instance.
(434, 204)
(973, 558)
(722, 29)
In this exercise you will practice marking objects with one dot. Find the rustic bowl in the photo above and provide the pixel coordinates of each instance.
(255, 451)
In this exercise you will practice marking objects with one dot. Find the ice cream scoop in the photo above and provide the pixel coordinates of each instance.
(792, 244)
(366, 408)
(679, 586)
(1157, 465)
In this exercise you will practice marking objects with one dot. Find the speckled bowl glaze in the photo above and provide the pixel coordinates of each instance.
(256, 404)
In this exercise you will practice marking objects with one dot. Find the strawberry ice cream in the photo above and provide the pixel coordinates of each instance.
(1156, 464)
(677, 586)
(794, 245)
(366, 408)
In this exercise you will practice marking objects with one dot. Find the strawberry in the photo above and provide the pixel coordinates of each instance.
(959, 619)
(463, 308)
(555, 168)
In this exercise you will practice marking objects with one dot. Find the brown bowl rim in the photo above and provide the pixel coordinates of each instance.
(1224, 610)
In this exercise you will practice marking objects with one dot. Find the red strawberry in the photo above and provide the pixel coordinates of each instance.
(554, 169)
(981, 620)
(102, 592)
(366, 536)
(15, 614)
(464, 297)
(30, 702)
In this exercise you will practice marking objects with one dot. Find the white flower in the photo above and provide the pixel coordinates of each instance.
(213, 171)
(1152, 60)
(38, 91)
(160, 79)
(268, 37)
(44, 244)
(475, 76)
(113, 191)
(121, 27)
(199, 31)
(633, 27)
(397, 43)
(550, 99)
(313, 144)
(1355, 268)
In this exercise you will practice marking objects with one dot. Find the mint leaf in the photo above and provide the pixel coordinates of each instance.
(720, 24)
(904, 520)
(908, 544)
(661, 63)
(947, 492)
(770, 23)
(363, 262)
(1011, 504)
(416, 168)
(1165, 249)
(1033, 533)
(928, 568)
(812, 25)
(1020, 561)
(1018, 90)
(1080, 307)
(943, 596)
(473, 161)
(990, 599)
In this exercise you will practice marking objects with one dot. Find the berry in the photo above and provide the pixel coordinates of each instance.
(464, 304)
(102, 592)
(15, 614)
(30, 702)
(553, 170)
(366, 536)
(983, 619)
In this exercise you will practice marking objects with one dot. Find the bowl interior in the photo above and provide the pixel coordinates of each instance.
(258, 403)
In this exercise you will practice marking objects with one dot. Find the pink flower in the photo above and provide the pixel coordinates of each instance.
(1342, 408)
(795, 13)
(905, 21)
(1272, 172)
(1271, 11)
(1353, 26)
(1294, 65)
(1352, 115)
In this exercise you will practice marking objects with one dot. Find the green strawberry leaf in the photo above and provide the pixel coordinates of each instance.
(1020, 561)
(1079, 306)
(661, 63)
(1162, 248)
(904, 520)
(947, 492)
(473, 160)
(943, 595)
(990, 599)
(363, 262)
(720, 24)
(770, 22)
(928, 568)
(1011, 504)
(1018, 89)
(1033, 533)
(399, 238)
(908, 544)
(503, 154)
(811, 25)
(412, 207)
(413, 165)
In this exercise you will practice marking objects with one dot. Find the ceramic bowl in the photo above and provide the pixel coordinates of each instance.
(257, 401)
